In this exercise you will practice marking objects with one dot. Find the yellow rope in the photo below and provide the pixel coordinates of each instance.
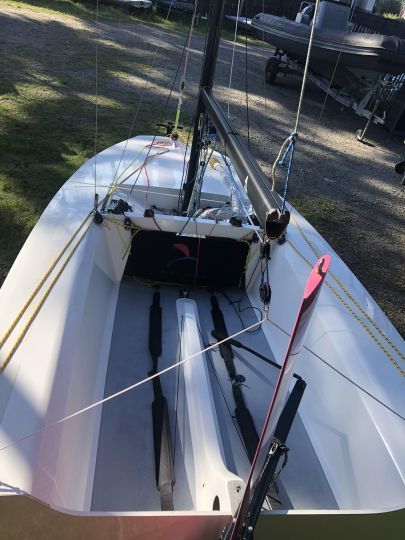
(134, 232)
(118, 184)
(351, 311)
(41, 282)
(42, 301)
(344, 289)
(34, 293)
(116, 223)
(114, 183)
(60, 255)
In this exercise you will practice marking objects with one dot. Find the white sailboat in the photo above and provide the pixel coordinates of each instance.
(119, 415)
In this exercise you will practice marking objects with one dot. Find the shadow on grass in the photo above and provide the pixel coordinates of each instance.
(47, 123)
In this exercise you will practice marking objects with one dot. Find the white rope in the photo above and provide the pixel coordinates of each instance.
(14, 489)
(147, 82)
(256, 229)
(233, 55)
(96, 112)
(304, 79)
(263, 78)
(131, 387)
(337, 62)
(183, 79)
(274, 167)
(346, 377)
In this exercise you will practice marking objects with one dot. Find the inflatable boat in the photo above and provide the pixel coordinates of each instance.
(365, 54)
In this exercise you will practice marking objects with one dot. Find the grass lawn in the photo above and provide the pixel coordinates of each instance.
(47, 115)
(47, 119)
(85, 9)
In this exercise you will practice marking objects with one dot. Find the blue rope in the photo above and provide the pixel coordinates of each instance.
(288, 152)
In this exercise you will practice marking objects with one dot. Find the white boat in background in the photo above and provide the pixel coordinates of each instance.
(82, 345)
(243, 22)
(133, 4)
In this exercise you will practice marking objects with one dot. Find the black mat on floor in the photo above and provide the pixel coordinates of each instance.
(202, 262)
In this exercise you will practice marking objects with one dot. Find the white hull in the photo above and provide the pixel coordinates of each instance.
(23, 517)
(352, 464)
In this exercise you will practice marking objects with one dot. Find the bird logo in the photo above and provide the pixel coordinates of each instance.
(185, 251)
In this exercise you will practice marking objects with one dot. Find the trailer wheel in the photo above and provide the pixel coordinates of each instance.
(400, 167)
(271, 70)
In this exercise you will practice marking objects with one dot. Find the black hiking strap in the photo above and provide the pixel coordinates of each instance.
(219, 337)
(243, 416)
(224, 348)
(161, 426)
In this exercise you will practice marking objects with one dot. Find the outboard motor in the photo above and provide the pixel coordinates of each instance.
(306, 13)
(332, 14)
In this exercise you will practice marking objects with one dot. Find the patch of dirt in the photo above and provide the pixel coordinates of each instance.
(348, 190)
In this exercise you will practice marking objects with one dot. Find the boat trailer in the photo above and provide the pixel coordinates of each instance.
(374, 95)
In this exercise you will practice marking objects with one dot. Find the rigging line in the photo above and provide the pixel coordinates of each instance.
(290, 150)
(136, 170)
(353, 6)
(14, 489)
(28, 324)
(233, 54)
(351, 311)
(277, 160)
(239, 311)
(204, 169)
(148, 185)
(198, 254)
(113, 186)
(346, 292)
(232, 416)
(96, 111)
(263, 78)
(246, 81)
(130, 387)
(195, 197)
(304, 79)
(193, 123)
(227, 404)
(42, 281)
(185, 169)
(183, 79)
(164, 108)
(47, 292)
(152, 66)
(375, 398)
(255, 227)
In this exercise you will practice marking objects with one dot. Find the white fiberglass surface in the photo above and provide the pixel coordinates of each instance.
(164, 168)
(350, 346)
(125, 468)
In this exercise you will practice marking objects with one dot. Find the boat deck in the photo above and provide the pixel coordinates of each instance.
(124, 477)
